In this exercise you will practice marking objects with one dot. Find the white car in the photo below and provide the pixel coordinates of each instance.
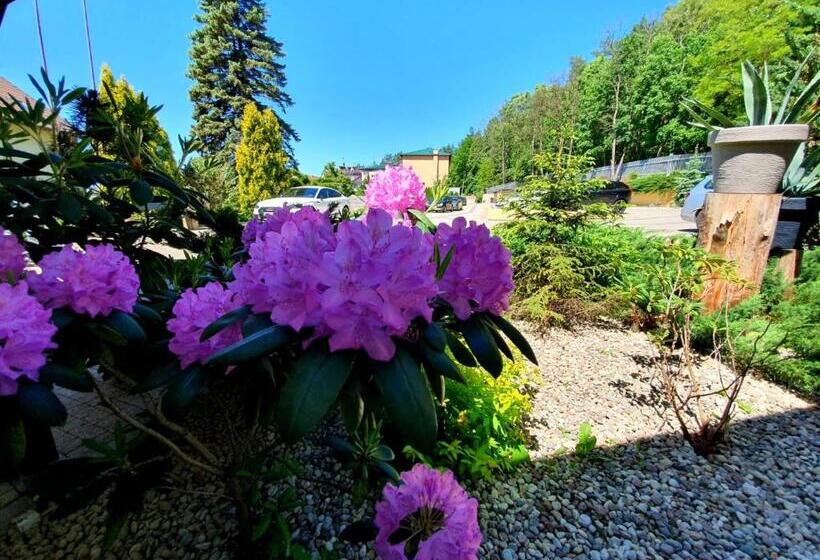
(320, 198)
(696, 199)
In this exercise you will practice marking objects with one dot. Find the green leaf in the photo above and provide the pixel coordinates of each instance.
(351, 407)
(515, 337)
(422, 220)
(159, 377)
(408, 399)
(435, 337)
(145, 312)
(40, 405)
(460, 352)
(442, 266)
(126, 325)
(141, 192)
(184, 389)
(258, 344)
(439, 363)
(256, 323)
(384, 453)
(165, 182)
(12, 443)
(66, 377)
(806, 96)
(262, 527)
(784, 105)
(754, 94)
(437, 386)
(225, 321)
(483, 345)
(360, 532)
(312, 387)
(341, 445)
(388, 470)
(690, 104)
(69, 207)
(499, 340)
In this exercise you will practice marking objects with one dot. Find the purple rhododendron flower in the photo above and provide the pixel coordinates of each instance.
(194, 311)
(433, 505)
(479, 272)
(95, 281)
(12, 257)
(396, 190)
(284, 273)
(380, 277)
(256, 228)
(25, 334)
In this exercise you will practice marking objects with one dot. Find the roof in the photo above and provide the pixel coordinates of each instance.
(425, 152)
(9, 91)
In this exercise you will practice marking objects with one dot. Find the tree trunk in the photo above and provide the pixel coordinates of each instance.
(739, 228)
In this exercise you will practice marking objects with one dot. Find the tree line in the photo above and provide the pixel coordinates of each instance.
(624, 103)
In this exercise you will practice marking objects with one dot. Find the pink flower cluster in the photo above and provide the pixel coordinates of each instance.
(378, 280)
(434, 504)
(25, 334)
(284, 273)
(479, 276)
(95, 281)
(194, 311)
(12, 257)
(358, 286)
(396, 190)
(256, 228)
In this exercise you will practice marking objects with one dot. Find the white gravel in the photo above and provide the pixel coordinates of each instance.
(642, 494)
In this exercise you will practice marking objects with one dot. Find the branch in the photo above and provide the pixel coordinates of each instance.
(107, 401)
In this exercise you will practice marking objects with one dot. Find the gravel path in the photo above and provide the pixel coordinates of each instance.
(642, 494)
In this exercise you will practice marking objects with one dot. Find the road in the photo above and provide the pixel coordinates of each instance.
(653, 219)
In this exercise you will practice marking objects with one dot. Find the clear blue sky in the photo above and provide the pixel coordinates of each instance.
(366, 77)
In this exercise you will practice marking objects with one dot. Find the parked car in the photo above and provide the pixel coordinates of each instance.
(612, 193)
(320, 198)
(449, 203)
(696, 199)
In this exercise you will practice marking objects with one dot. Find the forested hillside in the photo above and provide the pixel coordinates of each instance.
(625, 102)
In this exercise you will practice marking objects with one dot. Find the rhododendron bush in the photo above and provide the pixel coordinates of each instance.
(302, 315)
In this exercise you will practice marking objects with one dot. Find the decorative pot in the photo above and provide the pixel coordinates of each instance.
(753, 159)
(798, 215)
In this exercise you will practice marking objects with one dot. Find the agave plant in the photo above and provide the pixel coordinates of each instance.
(757, 98)
(802, 177)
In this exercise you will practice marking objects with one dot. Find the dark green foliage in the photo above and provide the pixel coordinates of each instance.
(790, 324)
(234, 62)
(655, 182)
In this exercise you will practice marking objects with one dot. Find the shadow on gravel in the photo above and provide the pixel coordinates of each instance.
(756, 498)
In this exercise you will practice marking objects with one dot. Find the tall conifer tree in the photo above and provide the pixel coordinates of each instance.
(233, 62)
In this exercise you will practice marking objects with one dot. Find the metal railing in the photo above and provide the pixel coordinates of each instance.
(665, 164)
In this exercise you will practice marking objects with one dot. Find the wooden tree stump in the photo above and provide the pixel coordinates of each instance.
(739, 228)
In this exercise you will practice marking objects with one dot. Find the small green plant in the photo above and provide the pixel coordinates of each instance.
(586, 440)
(366, 456)
(482, 424)
(757, 97)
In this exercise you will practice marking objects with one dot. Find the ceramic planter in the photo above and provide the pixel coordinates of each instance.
(753, 159)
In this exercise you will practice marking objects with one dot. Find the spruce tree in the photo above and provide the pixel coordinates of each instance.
(233, 62)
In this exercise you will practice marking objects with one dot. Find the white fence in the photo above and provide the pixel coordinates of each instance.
(665, 164)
